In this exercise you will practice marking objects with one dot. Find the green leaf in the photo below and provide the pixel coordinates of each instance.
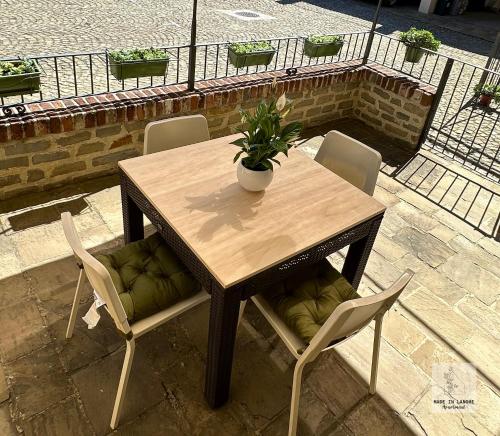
(240, 142)
(237, 156)
(267, 164)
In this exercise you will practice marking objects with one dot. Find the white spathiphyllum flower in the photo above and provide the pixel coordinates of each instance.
(280, 104)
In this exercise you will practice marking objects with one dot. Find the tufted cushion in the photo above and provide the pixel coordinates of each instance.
(305, 300)
(148, 277)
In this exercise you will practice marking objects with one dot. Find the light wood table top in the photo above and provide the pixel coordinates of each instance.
(237, 234)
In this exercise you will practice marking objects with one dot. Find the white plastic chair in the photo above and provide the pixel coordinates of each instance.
(350, 159)
(100, 280)
(345, 321)
(175, 132)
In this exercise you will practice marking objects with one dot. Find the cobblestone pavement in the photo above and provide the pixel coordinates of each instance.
(56, 26)
(450, 313)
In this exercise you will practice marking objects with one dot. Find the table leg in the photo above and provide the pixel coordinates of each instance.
(357, 256)
(224, 310)
(133, 221)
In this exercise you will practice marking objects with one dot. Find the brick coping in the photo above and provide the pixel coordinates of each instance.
(66, 115)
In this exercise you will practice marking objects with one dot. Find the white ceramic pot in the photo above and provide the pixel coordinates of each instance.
(253, 180)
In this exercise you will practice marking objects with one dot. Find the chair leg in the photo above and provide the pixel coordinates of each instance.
(122, 385)
(375, 354)
(242, 309)
(294, 406)
(76, 302)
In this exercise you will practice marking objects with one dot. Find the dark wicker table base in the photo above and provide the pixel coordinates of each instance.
(225, 302)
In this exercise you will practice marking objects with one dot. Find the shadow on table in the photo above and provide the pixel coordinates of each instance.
(216, 203)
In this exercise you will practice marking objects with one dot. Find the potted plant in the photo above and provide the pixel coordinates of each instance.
(126, 64)
(323, 45)
(246, 54)
(19, 77)
(487, 93)
(263, 141)
(416, 40)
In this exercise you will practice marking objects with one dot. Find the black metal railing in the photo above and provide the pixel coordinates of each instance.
(462, 128)
(214, 61)
(458, 126)
(389, 51)
(73, 75)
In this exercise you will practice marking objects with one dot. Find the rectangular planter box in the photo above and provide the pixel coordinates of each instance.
(314, 50)
(250, 59)
(134, 69)
(20, 84)
(413, 54)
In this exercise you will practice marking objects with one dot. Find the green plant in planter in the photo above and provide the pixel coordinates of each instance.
(19, 77)
(246, 54)
(323, 45)
(416, 40)
(125, 64)
(265, 138)
(487, 93)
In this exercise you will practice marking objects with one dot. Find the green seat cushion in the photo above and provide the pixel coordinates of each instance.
(149, 277)
(305, 300)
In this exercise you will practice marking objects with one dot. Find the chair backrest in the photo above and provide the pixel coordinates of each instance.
(350, 159)
(175, 132)
(97, 275)
(351, 316)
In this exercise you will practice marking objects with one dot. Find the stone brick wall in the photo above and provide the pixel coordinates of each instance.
(393, 106)
(70, 140)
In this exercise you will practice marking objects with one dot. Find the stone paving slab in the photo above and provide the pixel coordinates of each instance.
(449, 313)
(65, 418)
(97, 387)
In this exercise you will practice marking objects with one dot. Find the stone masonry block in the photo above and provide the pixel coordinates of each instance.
(14, 162)
(13, 179)
(127, 139)
(68, 168)
(346, 104)
(413, 108)
(27, 147)
(402, 116)
(396, 130)
(388, 117)
(313, 111)
(108, 131)
(367, 97)
(385, 95)
(75, 138)
(310, 101)
(386, 107)
(35, 175)
(113, 157)
(396, 101)
(90, 147)
(49, 157)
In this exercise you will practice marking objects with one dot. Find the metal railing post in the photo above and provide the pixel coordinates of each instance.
(192, 49)
(494, 54)
(435, 102)
(372, 33)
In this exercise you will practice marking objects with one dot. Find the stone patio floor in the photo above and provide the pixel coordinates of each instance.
(449, 313)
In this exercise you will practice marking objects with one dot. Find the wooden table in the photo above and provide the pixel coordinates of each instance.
(234, 241)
